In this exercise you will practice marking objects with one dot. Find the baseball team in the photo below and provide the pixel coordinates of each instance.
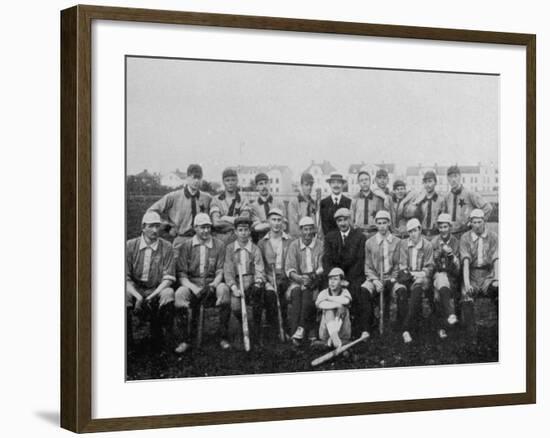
(312, 271)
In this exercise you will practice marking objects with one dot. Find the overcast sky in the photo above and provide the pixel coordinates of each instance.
(221, 113)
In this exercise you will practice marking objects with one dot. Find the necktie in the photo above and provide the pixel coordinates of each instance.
(193, 207)
(455, 199)
(308, 208)
(366, 211)
(265, 204)
(231, 210)
(429, 215)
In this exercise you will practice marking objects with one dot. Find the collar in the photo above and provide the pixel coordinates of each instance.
(434, 196)
(268, 200)
(346, 234)
(419, 245)
(188, 193)
(143, 244)
(335, 197)
(310, 246)
(379, 238)
(445, 240)
(284, 236)
(209, 243)
(385, 191)
(457, 191)
(223, 195)
(302, 198)
(476, 236)
(238, 246)
(368, 195)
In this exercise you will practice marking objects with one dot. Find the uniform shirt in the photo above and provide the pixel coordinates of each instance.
(259, 208)
(326, 293)
(373, 202)
(442, 262)
(459, 204)
(417, 257)
(148, 265)
(298, 208)
(304, 259)
(247, 256)
(481, 250)
(398, 218)
(225, 207)
(274, 253)
(177, 208)
(196, 259)
(426, 210)
(382, 251)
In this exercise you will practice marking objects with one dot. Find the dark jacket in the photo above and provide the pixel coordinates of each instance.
(327, 209)
(350, 257)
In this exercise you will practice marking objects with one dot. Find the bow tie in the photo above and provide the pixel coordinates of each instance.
(269, 200)
(188, 194)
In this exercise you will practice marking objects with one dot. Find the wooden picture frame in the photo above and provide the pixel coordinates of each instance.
(76, 217)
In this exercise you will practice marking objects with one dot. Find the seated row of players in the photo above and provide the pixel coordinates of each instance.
(293, 271)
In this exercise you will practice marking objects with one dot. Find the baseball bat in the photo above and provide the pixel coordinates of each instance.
(332, 354)
(246, 334)
(381, 323)
(279, 313)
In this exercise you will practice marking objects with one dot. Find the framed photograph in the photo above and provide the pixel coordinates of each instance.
(270, 218)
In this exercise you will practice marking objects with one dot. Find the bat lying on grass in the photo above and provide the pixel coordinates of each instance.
(332, 354)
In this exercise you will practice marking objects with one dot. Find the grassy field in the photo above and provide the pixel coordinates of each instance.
(379, 351)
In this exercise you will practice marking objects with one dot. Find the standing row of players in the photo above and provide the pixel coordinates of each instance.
(401, 245)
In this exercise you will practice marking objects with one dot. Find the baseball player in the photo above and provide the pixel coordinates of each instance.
(427, 206)
(199, 269)
(149, 279)
(416, 266)
(274, 247)
(225, 207)
(242, 252)
(304, 268)
(302, 205)
(381, 267)
(365, 205)
(334, 302)
(460, 202)
(332, 203)
(399, 201)
(179, 208)
(259, 207)
(446, 273)
(479, 256)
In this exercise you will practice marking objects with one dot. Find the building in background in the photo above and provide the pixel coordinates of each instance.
(482, 177)
(354, 169)
(173, 179)
(280, 177)
(320, 172)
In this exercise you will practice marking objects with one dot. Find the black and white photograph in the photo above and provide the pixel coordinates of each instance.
(285, 218)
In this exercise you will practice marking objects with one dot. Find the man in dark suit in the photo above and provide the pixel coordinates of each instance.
(333, 202)
(345, 249)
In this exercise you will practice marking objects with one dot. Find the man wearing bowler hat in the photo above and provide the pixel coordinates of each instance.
(332, 203)
(345, 248)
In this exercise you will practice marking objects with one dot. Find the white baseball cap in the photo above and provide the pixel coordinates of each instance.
(306, 220)
(382, 214)
(342, 212)
(202, 219)
(413, 223)
(444, 218)
(477, 213)
(275, 211)
(151, 217)
(336, 271)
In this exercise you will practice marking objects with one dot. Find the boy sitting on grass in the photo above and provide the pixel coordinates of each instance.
(334, 302)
